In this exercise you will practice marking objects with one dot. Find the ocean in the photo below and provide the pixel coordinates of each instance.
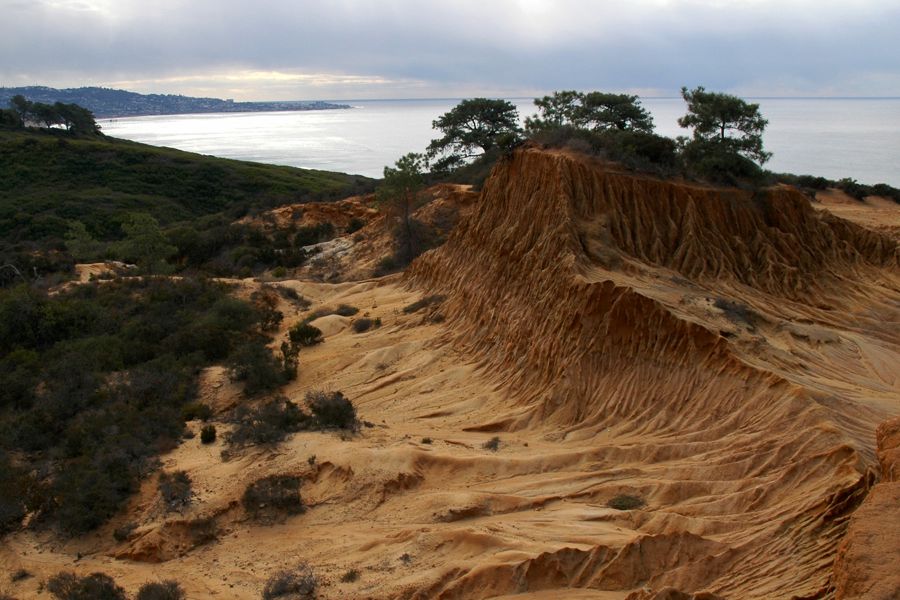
(829, 137)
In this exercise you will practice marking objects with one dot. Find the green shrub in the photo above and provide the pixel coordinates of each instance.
(355, 225)
(196, 410)
(304, 334)
(255, 366)
(294, 296)
(279, 272)
(175, 489)
(97, 586)
(345, 310)
(13, 490)
(265, 301)
(121, 534)
(492, 444)
(268, 424)
(162, 590)
(299, 583)
(625, 502)
(273, 496)
(350, 576)
(208, 434)
(364, 324)
(387, 264)
(203, 531)
(331, 410)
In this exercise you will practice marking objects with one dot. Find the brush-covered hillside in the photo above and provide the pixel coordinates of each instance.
(50, 181)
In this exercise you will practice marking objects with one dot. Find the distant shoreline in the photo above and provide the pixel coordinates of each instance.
(114, 104)
(236, 110)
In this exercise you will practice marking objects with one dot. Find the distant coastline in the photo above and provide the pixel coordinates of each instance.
(108, 103)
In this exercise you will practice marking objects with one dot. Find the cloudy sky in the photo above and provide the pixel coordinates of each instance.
(343, 49)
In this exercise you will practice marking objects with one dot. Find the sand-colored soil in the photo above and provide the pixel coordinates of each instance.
(725, 358)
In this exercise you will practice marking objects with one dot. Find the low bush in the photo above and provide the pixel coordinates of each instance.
(423, 303)
(208, 434)
(161, 590)
(304, 334)
(273, 496)
(255, 366)
(364, 324)
(355, 225)
(625, 502)
(121, 534)
(268, 424)
(265, 300)
(97, 586)
(19, 575)
(492, 444)
(13, 489)
(350, 576)
(196, 410)
(299, 583)
(331, 410)
(175, 489)
(289, 293)
(345, 310)
(203, 531)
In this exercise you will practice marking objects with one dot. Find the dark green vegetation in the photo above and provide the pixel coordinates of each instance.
(95, 381)
(208, 434)
(472, 129)
(401, 192)
(364, 324)
(271, 422)
(65, 197)
(725, 147)
(175, 489)
(97, 586)
(594, 111)
(272, 497)
(425, 302)
(299, 583)
(625, 502)
(399, 195)
(726, 144)
(107, 102)
(492, 444)
(22, 112)
(161, 590)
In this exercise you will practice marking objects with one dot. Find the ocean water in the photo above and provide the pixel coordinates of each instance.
(831, 137)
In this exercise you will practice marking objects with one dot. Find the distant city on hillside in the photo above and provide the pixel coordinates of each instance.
(108, 103)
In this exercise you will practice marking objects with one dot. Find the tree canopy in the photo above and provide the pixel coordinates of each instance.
(74, 118)
(725, 123)
(595, 111)
(399, 194)
(471, 129)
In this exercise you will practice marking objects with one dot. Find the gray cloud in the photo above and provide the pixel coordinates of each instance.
(401, 48)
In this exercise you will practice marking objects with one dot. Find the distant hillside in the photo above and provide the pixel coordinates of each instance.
(48, 180)
(106, 102)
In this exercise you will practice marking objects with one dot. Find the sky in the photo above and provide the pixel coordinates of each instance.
(355, 49)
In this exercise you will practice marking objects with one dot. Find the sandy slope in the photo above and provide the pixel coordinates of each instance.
(725, 358)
